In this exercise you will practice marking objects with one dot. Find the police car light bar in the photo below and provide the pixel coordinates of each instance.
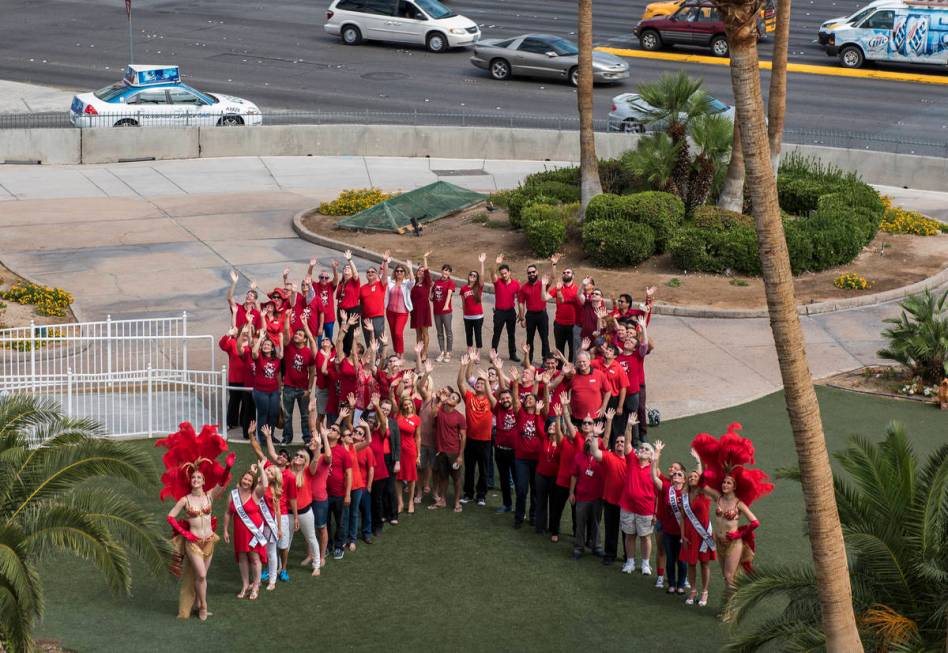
(136, 75)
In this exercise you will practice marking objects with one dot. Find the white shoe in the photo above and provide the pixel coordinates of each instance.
(687, 584)
(646, 569)
(629, 566)
(660, 582)
(440, 357)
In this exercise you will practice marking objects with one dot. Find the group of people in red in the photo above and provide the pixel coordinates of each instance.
(380, 437)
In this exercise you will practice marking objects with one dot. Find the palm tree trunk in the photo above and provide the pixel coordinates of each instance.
(826, 537)
(732, 192)
(777, 97)
(590, 185)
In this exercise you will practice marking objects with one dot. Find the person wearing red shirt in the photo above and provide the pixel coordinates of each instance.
(339, 488)
(471, 294)
(531, 422)
(477, 410)
(298, 359)
(299, 466)
(505, 307)
(355, 442)
(421, 305)
(428, 452)
(618, 387)
(386, 445)
(365, 458)
(266, 381)
(240, 409)
(398, 304)
(566, 319)
(505, 435)
(668, 519)
(247, 312)
(614, 469)
(632, 360)
(372, 301)
(450, 436)
(548, 467)
(585, 491)
(638, 505)
(441, 293)
(323, 305)
(531, 309)
(347, 296)
(409, 428)
(589, 388)
(247, 550)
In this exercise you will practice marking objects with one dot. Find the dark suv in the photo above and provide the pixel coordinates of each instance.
(696, 23)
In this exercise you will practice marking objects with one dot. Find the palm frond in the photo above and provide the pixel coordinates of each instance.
(888, 625)
(653, 160)
(20, 413)
(21, 591)
(675, 98)
(787, 634)
(766, 584)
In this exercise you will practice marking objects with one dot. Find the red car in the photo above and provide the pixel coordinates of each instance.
(694, 24)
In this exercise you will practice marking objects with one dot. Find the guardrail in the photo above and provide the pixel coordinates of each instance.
(891, 141)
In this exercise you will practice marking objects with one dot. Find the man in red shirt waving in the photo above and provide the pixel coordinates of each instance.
(589, 389)
(505, 309)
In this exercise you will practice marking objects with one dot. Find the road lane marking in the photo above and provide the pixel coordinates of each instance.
(791, 67)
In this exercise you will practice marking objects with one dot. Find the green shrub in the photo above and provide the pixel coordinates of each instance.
(537, 211)
(618, 242)
(835, 241)
(545, 235)
(799, 245)
(606, 206)
(515, 203)
(352, 200)
(501, 198)
(696, 250)
(739, 251)
(712, 217)
(663, 212)
(616, 178)
(568, 175)
(556, 189)
(800, 195)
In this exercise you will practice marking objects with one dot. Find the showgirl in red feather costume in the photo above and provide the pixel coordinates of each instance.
(733, 487)
(194, 478)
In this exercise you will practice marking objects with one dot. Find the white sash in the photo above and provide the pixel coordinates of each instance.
(259, 539)
(707, 542)
(673, 502)
(269, 522)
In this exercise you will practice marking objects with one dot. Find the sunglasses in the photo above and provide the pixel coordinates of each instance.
(678, 473)
(370, 271)
(588, 422)
(324, 277)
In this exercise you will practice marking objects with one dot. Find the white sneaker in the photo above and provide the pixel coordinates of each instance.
(660, 582)
(440, 357)
(687, 584)
(646, 569)
(629, 566)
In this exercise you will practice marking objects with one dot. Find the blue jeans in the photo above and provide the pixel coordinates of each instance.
(675, 569)
(268, 410)
(354, 505)
(365, 509)
(297, 396)
(338, 512)
(525, 473)
(327, 333)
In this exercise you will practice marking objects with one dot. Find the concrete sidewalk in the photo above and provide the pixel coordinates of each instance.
(149, 239)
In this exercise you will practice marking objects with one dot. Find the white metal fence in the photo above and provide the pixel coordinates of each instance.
(137, 377)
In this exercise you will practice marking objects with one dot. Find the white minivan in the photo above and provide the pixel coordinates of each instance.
(422, 22)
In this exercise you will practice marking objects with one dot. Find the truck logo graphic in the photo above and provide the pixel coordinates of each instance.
(877, 43)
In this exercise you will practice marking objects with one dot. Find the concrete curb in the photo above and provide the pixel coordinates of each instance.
(817, 308)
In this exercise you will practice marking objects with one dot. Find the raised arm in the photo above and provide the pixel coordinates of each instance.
(462, 374)
(656, 464)
(231, 288)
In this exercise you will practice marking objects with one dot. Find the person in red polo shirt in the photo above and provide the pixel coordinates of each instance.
(618, 385)
(450, 436)
(566, 319)
(638, 505)
(478, 414)
(347, 296)
(441, 293)
(505, 307)
(589, 389)
(632, 359)
(298, 374)
(240, 409)
(531, 423)
(586, 486)
(248, 311)
(323, 304)
(531, 305)
(471, 296)
(614, 467)
(372, 299)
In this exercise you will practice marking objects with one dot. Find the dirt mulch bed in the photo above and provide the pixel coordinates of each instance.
(18, 315)
(881, 380)
(889, 261)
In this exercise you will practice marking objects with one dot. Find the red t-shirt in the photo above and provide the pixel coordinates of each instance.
(665, 514)
(358, 481)
(589, 477)
(348, 379)
(472, 305)
(289, 492)
(407, 425)
(567, 451)
(448, 427)
(439, 292)
(567, 309)
(505, 294)
(638, 496)
(252, 316)
(378, 447)
(613, 468)
(304, 493)
(295, 313)
(348, 294)
(587, 393)
(317, 481)
(237, 369)
(341, 461)
(549, 463)
(266, 374)
(530, 435)
(323, 380)
(635, 372)
(478, 413)
(531, 294)
(324, 300)
(366, 459)
(616, 375)
(506, 433)
(372, 296)
(296, 369)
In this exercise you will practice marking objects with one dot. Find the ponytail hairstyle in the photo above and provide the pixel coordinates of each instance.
(299, 474)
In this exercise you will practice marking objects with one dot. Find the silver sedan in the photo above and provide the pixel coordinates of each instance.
(630, 113)
(543, 55)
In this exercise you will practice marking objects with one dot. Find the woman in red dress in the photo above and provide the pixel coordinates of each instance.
(696, 547)
(249, 548)
(409, 428)
(421, 306)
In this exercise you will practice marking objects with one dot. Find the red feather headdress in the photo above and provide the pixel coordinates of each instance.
(729, 455)
(188, 452)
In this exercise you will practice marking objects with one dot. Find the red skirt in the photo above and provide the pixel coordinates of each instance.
(408, 467)
(691, 552)
(421, 316)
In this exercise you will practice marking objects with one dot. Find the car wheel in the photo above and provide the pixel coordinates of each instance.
(719, 46)
(126, 122)
(499, 69)
(230, 121)
(351, 35)
(633, 127)
(436, 42)
(574, 76)
(650, 40)
(852, 57)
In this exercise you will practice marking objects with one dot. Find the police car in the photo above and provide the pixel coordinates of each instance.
(155, 96)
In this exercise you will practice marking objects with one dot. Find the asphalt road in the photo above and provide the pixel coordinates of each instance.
(277, 54)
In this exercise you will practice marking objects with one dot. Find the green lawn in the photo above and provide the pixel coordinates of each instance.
(441, 581)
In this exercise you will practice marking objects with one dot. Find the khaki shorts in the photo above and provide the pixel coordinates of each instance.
(633, 524)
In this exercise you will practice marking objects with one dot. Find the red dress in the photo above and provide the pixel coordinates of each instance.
(420, 303)
(408, 461)
(242, 534)
(691, 552)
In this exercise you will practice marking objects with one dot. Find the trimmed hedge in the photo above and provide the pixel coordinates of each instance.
(614, 243)
(661, 211)
(545, 235)
(712, 217)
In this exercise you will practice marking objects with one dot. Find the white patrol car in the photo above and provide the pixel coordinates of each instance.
(155, 96)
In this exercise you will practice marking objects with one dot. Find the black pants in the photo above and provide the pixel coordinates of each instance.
(538, 322)
(383, 502)
(338, 513)
(619, 424)
(476, 454)
(525, 480)
(347, 339)
(675, 569)
(643, 415)
(563, 337)
(610, 517)
(472, 332)
(505, 470)
(558, 498)
(240, 408)
(545, 485)
(505, 317)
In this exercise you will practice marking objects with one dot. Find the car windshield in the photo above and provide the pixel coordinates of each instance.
(859, 15)
(435, 9)
(717, 106)
(109, 93)
(563, 47)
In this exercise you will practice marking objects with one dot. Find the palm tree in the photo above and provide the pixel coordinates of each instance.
(712, 135)
(732, 191)
(777, 96)
(71, 494)
(826, 537)
(918, 338)
(589, 186)
(677, 101)
(653, 160)
(895, 520)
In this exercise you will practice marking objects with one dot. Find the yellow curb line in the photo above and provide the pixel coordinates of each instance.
(791, 67)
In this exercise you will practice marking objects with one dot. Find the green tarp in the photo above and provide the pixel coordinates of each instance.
(425, 204)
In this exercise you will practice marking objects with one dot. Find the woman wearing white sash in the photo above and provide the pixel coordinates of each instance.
(669, 515)
(697, 541)
(250, 542)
